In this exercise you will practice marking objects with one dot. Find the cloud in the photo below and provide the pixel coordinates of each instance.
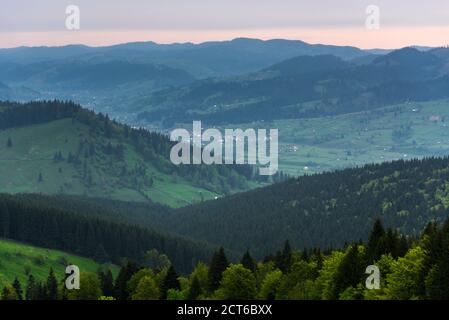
(46, 15)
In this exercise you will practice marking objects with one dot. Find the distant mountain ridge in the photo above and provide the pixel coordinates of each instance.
(76, 75)
(127, 81)
(308, 65)
(117, 79)
(306, 86)
(277, 49)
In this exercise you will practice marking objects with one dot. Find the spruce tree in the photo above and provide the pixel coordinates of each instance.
(51, 286)
(107, 283)
(437, 281)
(8, 293)
(248, 262)
(284, 258)
(305, 255)
(32, 289)
(41, 292)
(218, 265)
(431, 241)
(375, 241)
(350, 271)
(402, 246)
(319, 259)
(170, 282)
(121, 283)
(195, 289)
(390, 244)
(287, 256)
(18, 288)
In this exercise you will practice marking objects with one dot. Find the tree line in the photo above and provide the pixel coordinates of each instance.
(409, 269)
(29, 220)
(322, 210)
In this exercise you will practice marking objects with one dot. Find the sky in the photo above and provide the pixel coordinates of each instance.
(341, 22)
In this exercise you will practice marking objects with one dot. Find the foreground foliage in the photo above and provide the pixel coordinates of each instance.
(410, 269)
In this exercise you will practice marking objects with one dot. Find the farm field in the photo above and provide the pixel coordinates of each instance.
(404, 131)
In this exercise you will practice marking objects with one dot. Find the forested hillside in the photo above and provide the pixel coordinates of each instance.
(305, 87)
(105, 240)
(58, 147)
(145, 214)
(409, 269)
(323, 210)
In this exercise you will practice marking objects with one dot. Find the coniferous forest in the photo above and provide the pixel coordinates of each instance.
(410, 268)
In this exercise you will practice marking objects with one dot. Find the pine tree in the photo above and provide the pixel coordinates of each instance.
(40, 178)
(8, 293)
(121, 283)
(319, 259)
(218, 265)
(402, 246)
(107, 283)
(51, 286)
(170, 282)
(305, 255)
(284, 258)
(390, 244)
(248, 262)
(431, 242)
(195, 289)
(9, 143)
(18, 288)
(437, 282)
(349, 272)
(287, 256)
(32, 289)
(374, 248)
(41, 292)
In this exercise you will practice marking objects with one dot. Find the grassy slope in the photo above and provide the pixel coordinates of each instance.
(335, 142)
(14, 257)
(33, 150)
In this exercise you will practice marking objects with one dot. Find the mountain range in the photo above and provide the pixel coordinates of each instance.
(116, 79)
(306, 87)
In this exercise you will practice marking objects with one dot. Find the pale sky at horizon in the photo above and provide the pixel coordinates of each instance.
(105, 22)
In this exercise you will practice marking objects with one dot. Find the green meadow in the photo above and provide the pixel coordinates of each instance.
(28, 166)
(19, 260)
(405, 131)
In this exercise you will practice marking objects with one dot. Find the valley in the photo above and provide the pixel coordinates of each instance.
(87, 177)
(410, 130)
